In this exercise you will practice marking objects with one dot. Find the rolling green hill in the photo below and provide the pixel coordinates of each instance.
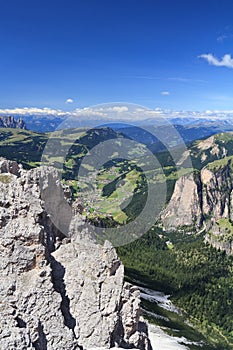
(24, 146)
(27, 147)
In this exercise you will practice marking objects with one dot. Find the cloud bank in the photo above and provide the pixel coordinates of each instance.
(118, 112)
(27, 111)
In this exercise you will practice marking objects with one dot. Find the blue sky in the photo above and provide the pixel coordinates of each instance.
(95, 51)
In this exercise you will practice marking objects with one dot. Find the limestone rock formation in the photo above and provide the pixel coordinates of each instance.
(184, 208)
(200, 195)
(11, 122)
(218, 191)
(207, 197)
(59, 289)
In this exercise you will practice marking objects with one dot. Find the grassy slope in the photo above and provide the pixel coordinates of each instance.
(22, 145)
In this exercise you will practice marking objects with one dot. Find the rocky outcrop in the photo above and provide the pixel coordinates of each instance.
(201, 195)
(184, 208)
(204, 197)
(59, 289)
(11, 122)
(218, 191)
(218, 240)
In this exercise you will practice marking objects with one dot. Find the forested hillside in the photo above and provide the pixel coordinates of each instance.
(199, 278)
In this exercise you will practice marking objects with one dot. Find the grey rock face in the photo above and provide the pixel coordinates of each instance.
(10, 166)
(58, 292)
(184, 208)
(217, 192)
(205, 197)
(10, 122)
(197, 196)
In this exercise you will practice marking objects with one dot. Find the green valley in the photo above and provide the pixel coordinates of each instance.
(198, 277)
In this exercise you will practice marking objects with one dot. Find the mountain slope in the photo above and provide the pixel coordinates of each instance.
(210, 149)
(27, 147)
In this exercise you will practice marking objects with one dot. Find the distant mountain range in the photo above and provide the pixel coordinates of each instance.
(157, 137)
(45, 122)
(150, 132)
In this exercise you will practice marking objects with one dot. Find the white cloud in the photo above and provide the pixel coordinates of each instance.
(32, 111)
(226, 35)
(225, 61)
(222, 37)
(69, 100)
(186, 80)
(165, 93)
(118, 109)
(146, 77)
(180, 79)
(88, 113)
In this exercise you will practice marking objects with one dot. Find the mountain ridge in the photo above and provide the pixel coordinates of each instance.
(59, 289)
(11, 122)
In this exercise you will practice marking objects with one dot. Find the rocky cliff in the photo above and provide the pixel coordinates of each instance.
(11, 122)
(204, 197)
(58, 291)
(184, 208)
